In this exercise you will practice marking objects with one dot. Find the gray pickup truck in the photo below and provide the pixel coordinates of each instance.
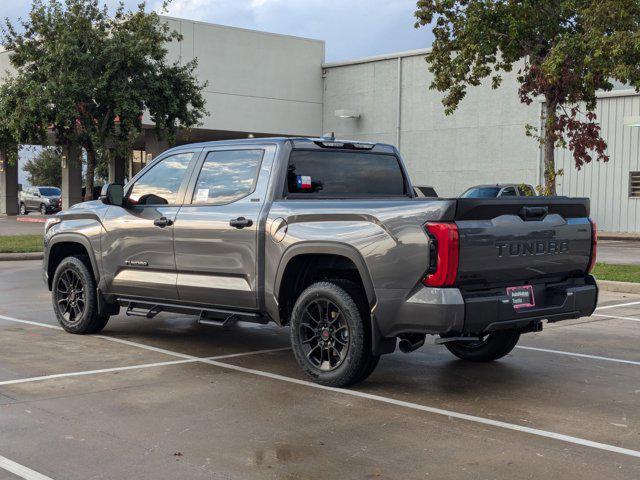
(326, 237)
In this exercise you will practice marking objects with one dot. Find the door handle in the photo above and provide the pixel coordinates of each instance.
(241, 222)
(162, 222)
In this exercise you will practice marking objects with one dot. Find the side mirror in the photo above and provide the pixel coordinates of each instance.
(112, 194)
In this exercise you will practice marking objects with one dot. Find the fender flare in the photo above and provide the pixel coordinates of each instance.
(379, 344)
(68, 237)
(327, 248)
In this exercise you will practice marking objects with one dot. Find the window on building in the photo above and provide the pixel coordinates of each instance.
(227, 176)
(160, 184)
(634, 184)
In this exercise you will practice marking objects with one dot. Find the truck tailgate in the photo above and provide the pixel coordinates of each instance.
(505, 242)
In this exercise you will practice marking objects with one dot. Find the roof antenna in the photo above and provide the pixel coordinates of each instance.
(331, 136)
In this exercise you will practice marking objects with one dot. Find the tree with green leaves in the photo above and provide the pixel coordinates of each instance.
(564, 51)
(45, 168)
(87, 77)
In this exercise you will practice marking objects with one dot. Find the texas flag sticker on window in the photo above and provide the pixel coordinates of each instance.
(304, 181)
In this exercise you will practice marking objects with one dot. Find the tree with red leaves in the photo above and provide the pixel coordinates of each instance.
(565, 52)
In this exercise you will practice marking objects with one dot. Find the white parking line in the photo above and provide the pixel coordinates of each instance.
(93, 372)
(434, 410)
(137, 367)
(616, 317)
(392, 401)
(581, 355)
(618, 305)
(20, 470)
(29, 322)
(146, 347)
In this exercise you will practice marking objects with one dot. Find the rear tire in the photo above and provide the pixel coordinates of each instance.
(74, 297)
(330, 340)
(494, 346)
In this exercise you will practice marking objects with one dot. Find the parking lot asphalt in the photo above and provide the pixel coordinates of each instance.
(623, 252)
(168, 398)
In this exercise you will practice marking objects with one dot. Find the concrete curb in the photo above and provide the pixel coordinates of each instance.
(619, 287)
(6, 257)
(31, 219)
(633, 237)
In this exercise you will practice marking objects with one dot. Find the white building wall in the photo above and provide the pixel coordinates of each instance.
(484, 141)
(607, 184)
(258, 82)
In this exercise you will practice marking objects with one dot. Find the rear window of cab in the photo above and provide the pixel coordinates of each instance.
(332, 173)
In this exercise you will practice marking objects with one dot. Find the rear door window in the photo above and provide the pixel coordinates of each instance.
(344, 173)
(227, 176)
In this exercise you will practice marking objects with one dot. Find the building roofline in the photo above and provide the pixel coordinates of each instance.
(219, 25)
(377, 58)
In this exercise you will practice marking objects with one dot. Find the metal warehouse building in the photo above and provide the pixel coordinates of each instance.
(264, 84)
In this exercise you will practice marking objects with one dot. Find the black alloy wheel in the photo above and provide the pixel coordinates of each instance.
(323, 333)
(74, 297)
(70, 296)
(331, 333)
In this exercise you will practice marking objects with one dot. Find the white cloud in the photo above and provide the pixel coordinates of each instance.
(351, 28)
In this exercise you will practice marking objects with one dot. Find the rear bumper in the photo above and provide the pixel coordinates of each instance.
(492, 310)
(450, 311)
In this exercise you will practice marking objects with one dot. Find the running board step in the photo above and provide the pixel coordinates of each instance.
(143, 312)
(206, 316)
(227, 322)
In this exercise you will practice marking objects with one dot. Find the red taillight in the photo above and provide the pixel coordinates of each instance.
(445, 270)
(594, 245)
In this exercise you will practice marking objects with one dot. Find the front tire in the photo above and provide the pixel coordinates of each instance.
(74, 297)
(492, 347)
(43, 209)
(23, 209)
(329, 337)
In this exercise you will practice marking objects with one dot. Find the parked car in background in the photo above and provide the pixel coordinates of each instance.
(423, 191)
(42, 199)
(500, 190)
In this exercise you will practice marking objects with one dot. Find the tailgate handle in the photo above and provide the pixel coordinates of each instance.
(533, 213)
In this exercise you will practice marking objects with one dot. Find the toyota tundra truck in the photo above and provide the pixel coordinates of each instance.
(328, 238)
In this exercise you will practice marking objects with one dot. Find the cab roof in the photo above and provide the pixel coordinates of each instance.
(319, 143)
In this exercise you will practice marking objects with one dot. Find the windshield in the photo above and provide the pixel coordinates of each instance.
(344, 173)
(485, 192)
(49, 191)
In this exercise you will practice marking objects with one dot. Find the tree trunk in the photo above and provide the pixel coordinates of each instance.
(549, 147)
(91, 173)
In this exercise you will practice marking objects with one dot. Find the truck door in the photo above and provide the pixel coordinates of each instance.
(217, 230)
(137, 244)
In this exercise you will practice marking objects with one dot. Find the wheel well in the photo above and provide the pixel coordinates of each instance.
(62, 250)
(306, 269)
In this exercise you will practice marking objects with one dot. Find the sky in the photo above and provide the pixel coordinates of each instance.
(351, 28)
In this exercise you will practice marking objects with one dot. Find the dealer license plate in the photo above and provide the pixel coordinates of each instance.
(521, 297)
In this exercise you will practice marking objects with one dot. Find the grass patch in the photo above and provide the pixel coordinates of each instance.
(21, 243)
(618, 273)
